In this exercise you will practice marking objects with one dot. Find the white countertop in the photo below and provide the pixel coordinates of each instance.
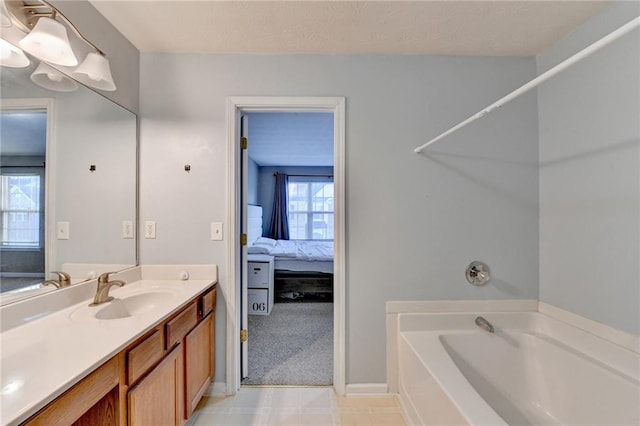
(43, 358)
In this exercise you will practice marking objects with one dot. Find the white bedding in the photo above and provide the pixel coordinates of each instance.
(303, 250)
(299, 255)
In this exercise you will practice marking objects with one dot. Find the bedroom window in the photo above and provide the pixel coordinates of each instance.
(310, 209)
(20, 207)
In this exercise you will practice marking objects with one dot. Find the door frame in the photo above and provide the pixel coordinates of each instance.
(48, 105)
(231, 286)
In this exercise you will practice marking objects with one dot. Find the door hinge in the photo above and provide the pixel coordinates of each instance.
(243, 239)
(244, 335)
(244, 142)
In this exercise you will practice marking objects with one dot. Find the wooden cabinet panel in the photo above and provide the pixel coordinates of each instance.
(198, 362)
(157, 399)
(179, 326)
(104, 413)
(144, 356)
(69, 407)
(208, 303)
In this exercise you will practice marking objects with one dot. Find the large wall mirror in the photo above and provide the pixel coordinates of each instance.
(68, 184)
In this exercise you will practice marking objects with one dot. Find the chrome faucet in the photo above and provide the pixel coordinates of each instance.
(64, 280)
(484, 324)
(102, 293)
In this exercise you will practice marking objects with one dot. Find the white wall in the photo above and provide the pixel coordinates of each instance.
(92, 130)
(414, 222)
(590, 175)
(252, 177)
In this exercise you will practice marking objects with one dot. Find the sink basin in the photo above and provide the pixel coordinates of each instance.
(132, 305)
(125, 306)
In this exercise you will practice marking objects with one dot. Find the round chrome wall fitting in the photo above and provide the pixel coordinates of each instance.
(477, 273)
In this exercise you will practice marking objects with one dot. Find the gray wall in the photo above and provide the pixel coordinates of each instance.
(252, 177)
(267, 187)
(590, 175)
(413, 222)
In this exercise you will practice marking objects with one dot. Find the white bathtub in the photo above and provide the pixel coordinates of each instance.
(534, 370)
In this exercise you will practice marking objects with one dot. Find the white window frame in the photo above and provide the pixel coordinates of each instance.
(3, 203)
(309, 180)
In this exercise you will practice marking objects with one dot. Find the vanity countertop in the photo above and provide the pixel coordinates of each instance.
(43, 358)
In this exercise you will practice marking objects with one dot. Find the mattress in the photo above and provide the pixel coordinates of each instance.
(302, 255)
(325, 267)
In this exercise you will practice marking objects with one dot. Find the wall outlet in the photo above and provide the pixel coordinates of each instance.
(216, 231)
(150, 229)
(127, 229)
(62, 230)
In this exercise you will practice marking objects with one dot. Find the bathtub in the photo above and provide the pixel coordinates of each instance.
(534, 370)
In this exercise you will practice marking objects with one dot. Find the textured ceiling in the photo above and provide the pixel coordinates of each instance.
(291, 139)
(515, 27)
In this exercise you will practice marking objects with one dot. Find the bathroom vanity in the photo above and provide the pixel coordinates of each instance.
(147, 357)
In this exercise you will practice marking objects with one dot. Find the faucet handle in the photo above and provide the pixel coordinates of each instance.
(104, 277)
(63, 278)
(54, 283)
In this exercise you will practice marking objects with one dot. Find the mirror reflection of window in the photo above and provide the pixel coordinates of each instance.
(22, 207)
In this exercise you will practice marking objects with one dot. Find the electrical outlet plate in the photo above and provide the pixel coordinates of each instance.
(127, 229)
(216, 231)
(150, 229)
(62, 230)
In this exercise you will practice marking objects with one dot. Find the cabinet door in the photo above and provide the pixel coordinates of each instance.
(158, 398)
(198, 362)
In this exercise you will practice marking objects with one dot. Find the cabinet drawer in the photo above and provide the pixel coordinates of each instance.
(258, 301)
(144, 356)
(208, 302)
(179, 326)
(258, 273)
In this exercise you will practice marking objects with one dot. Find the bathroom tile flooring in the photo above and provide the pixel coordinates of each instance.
(296, 406)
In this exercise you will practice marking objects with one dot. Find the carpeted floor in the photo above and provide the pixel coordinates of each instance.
(292, 346)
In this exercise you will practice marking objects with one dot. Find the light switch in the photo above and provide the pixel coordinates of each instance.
(216, 231)
(62, 230)
(150, 229)
(127, 229)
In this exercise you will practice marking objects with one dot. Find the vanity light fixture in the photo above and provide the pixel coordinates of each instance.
(94, 71)
(11, 56)
(5, 20)
(48, 40)
(50, 78)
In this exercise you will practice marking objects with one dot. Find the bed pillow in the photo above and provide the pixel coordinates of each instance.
(258, 249)
(267, 242)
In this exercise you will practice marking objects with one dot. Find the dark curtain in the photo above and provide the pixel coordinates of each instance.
(279, 229)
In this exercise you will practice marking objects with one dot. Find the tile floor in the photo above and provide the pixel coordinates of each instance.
(296, 406)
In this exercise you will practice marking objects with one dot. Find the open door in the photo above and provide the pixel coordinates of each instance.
(244, 279)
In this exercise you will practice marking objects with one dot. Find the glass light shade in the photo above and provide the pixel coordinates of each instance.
(5, 20)
(49, 42)
(11, 56)
(50, 78)
(95, 72)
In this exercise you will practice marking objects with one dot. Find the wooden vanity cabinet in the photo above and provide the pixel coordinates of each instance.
(198, 349)
(158, 398)
(171, 391)
(157, 380)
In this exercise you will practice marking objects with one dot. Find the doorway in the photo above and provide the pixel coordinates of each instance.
(290, 241)
(25, 169)
(237, 265)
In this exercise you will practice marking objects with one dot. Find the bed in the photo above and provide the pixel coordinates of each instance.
(302, 267)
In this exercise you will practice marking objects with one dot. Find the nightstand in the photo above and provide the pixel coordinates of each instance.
(260, 271)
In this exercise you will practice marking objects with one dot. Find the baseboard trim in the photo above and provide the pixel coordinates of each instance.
(367, 389)
(217, 389)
